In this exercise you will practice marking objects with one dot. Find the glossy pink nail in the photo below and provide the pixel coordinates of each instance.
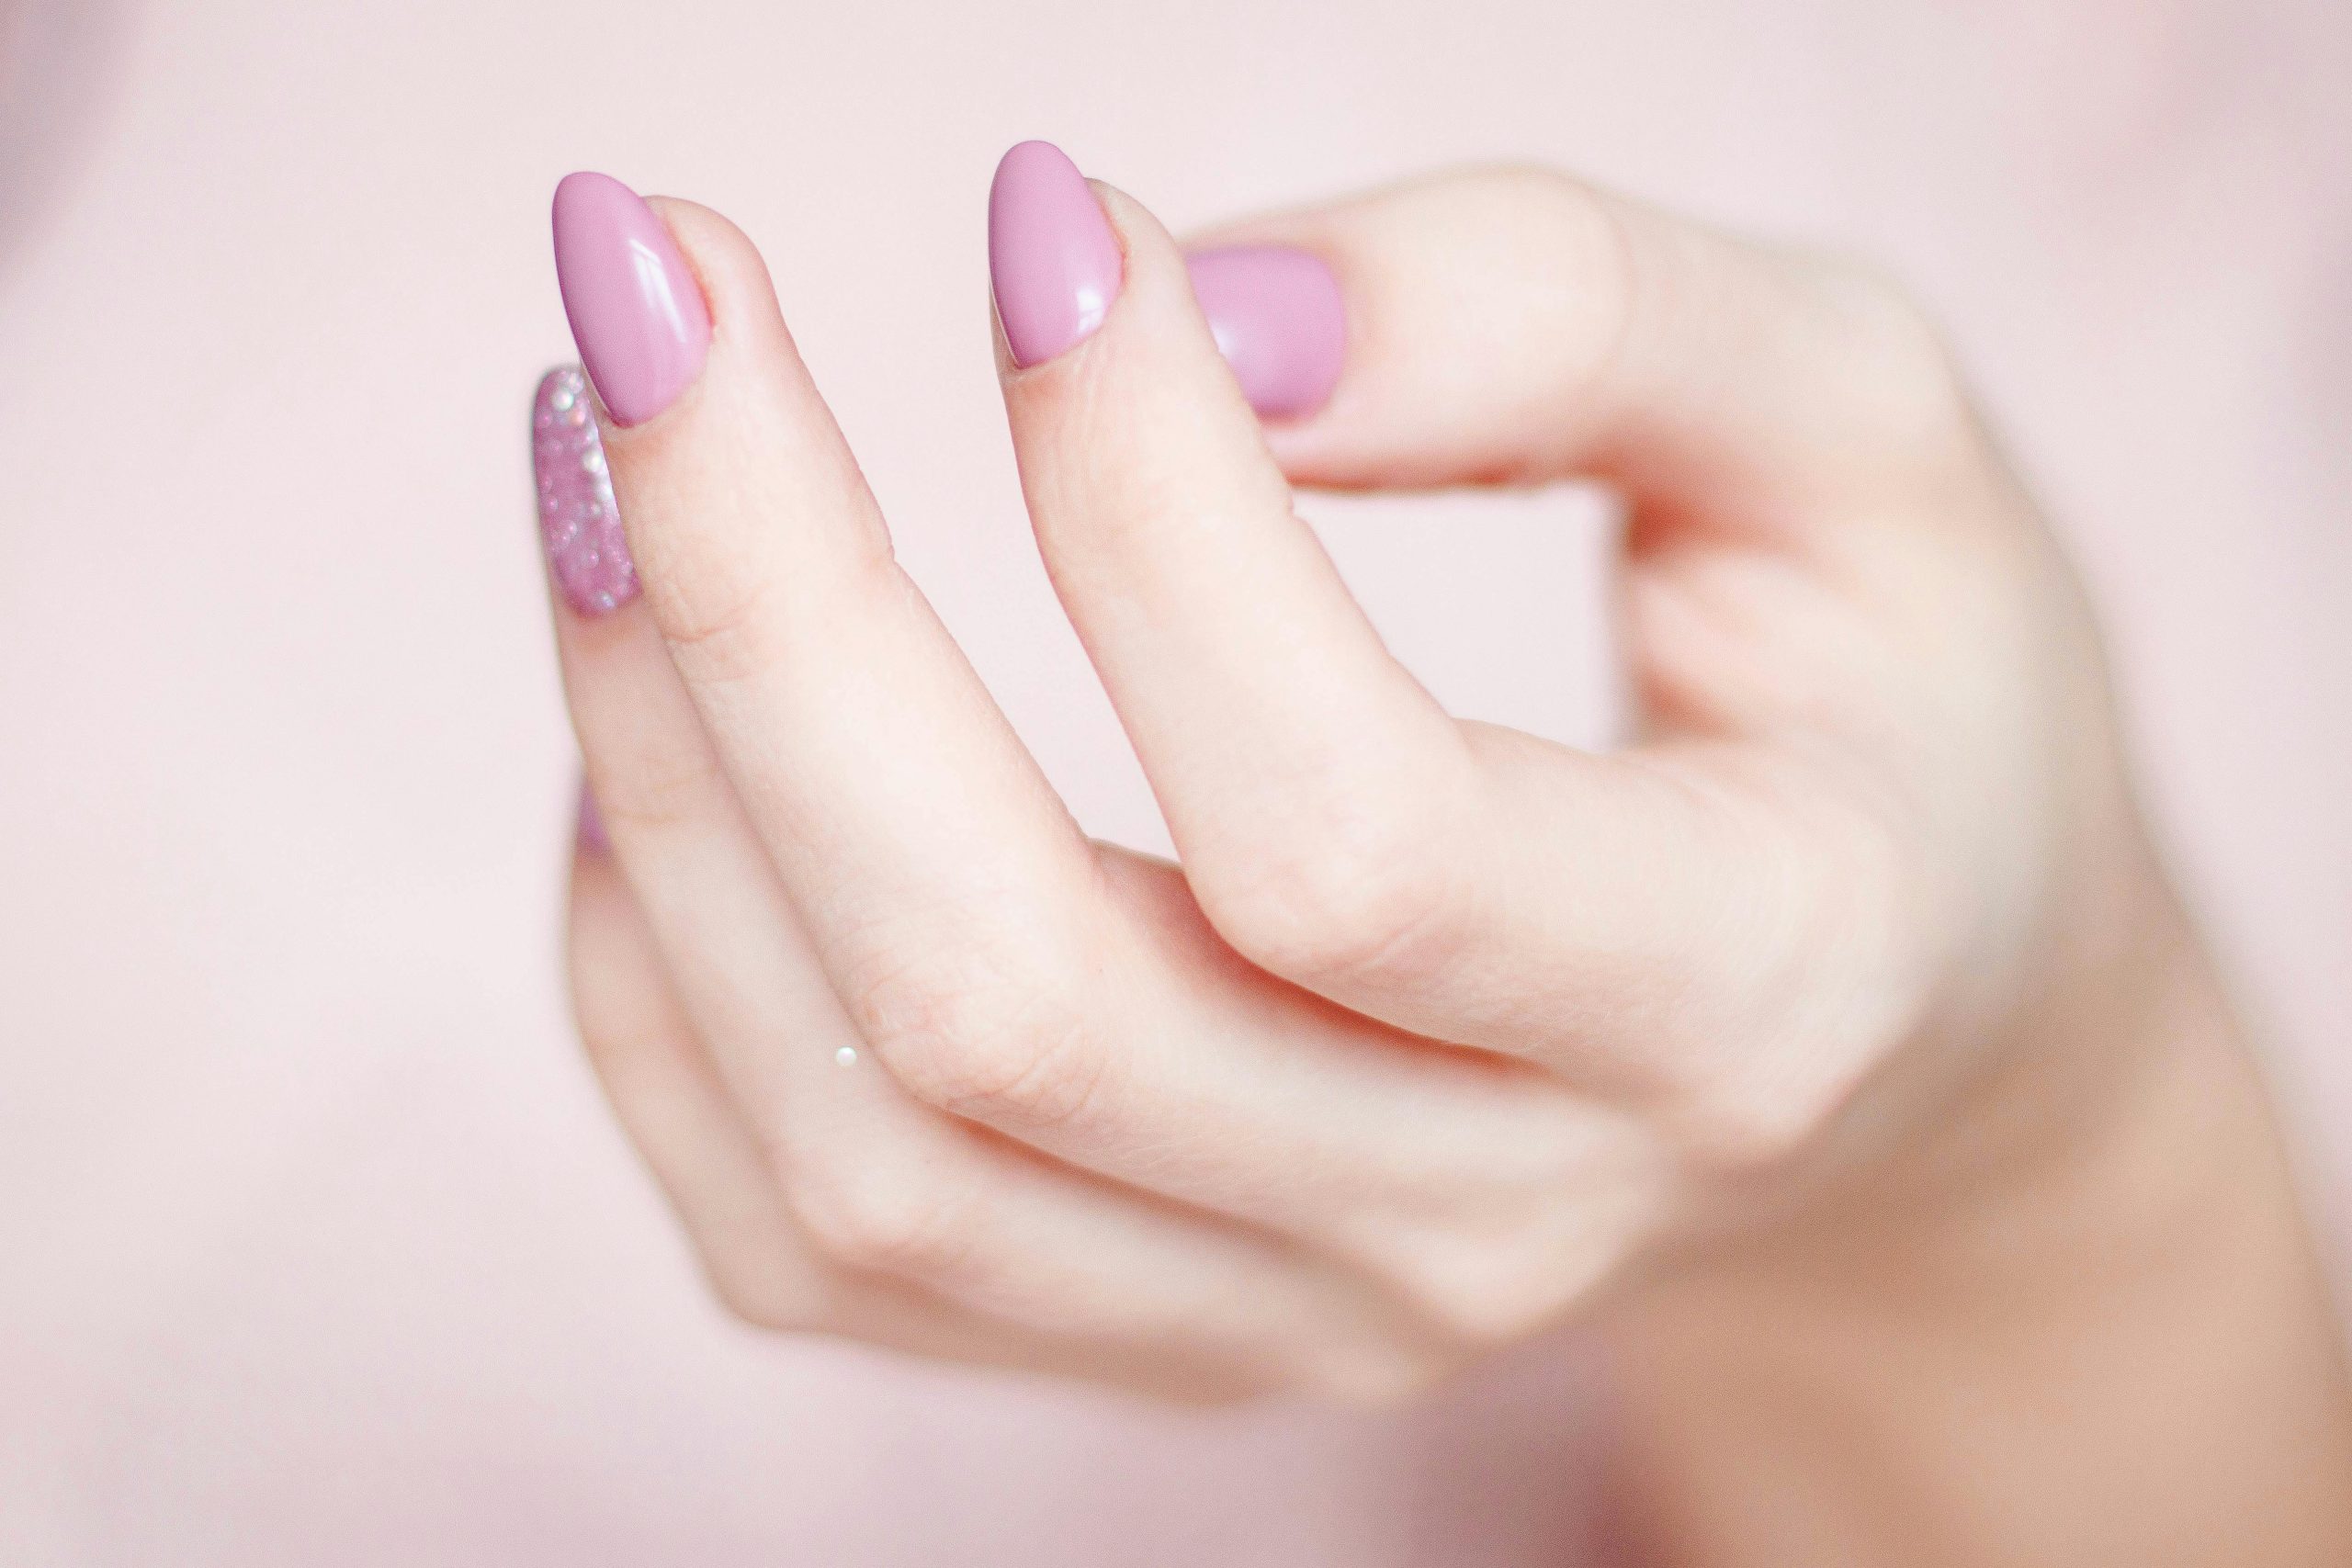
(636, 312)
(1279, 322)
(587, 553)
(1052, 256)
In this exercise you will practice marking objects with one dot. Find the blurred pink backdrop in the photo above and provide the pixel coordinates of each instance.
(315, 1243)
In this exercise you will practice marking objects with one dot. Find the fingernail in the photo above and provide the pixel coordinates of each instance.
(589, 826)
(587, 553)
(1279, 322)
(636, 312)
(1053, 258)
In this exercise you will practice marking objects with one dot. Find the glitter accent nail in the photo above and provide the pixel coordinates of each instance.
(578, 522)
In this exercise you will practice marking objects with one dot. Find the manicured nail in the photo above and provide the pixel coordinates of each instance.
(1279, 322)
(589, 826)
(587, 553)
(636, 311)
(1052, 256)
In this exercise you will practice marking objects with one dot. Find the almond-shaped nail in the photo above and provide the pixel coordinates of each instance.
(587, 553)
(637, 313)
(1278, 320)
(1052, 258)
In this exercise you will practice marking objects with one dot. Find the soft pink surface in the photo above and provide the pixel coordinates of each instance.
(315, 1245)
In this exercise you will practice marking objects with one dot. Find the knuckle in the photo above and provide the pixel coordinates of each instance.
(1567, 219)
(648, 785)
(879, 1215)
(1909, 382)
(714, 621)
(756, 1295)
(1773, 1102)
(655, 798)
(1491, 1297)
(1376, 1380)
(1755, 1120)
(1849, 977)
(1354, 890)
(1602, 276)
(983, 1036)
(1584, 280)
(1515, 1278)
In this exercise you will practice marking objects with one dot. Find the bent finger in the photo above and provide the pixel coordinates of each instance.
(1517, 325)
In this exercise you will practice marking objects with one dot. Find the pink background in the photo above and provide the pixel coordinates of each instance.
(315, 1243)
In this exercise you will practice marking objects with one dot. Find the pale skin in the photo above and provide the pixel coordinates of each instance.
(1837, 1052)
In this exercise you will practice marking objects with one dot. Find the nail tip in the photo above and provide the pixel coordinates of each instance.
(586, 182)
(1034, 152)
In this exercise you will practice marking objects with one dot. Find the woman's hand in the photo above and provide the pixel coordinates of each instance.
(1438, 1032)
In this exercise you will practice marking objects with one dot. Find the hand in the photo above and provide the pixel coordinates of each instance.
(1438, 1031)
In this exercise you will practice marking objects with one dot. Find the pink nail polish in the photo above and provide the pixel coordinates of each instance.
(636, 312)
(1279, 322)
(1054, 260)
(587, 553)
(589, 826)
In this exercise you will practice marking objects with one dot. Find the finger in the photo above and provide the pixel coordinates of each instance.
(1338, 828)
(1270, 1109)
(971, 934)
(898, 809)
(1517, 325)
(1310, 783)
(1509, 325)
(880, 1188)
(876, 1185)
(671, 1103)
(1247, 677)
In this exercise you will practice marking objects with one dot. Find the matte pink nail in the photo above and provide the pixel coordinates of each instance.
(1052, 256)
(1279, 322)
(636, 311)
(588, 825)
(587, 553)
